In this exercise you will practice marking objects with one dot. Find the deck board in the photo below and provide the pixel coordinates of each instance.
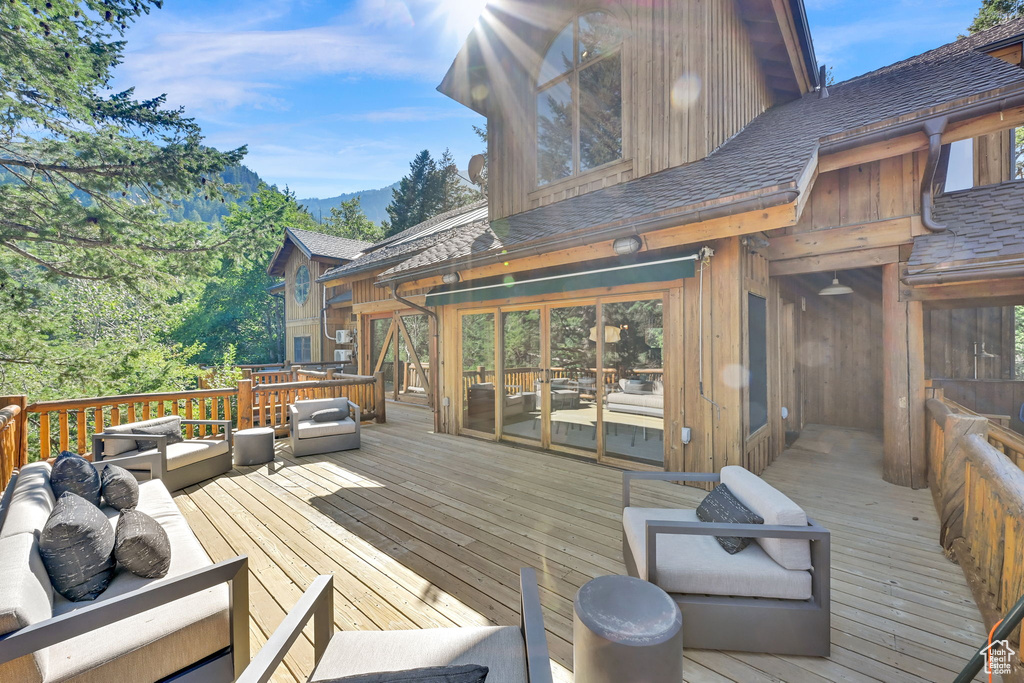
(423, 530)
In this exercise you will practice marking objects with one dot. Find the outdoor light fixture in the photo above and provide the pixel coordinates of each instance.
(450, 278)
(835, 289)
(624, 246)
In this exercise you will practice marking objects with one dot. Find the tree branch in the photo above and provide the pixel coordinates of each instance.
(51, 267)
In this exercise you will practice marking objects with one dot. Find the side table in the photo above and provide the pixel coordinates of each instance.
(254, 446)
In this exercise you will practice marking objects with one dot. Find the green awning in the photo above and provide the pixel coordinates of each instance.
(534, 284)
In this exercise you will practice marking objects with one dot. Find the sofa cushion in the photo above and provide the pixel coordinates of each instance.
(330, 415)
(305, 409)
(637, 386)
(722, 507)
(26, 598)
(31, 502)
(141, 545)
(161, 641)
(621, 398)
(499, 648)
(308, 429)
(463, 673)
(697, 565)
(169, 427)
(77, 548)
(775, 508)
(120, 488)
(72, 472)
(119, 446)
(191, 451)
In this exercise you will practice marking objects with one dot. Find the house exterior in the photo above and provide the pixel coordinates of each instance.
(314, 313)
(672, 191)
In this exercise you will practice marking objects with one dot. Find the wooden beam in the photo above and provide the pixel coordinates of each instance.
(864, 258)
(985, 293)
(387, 305)
(792, 41)
(887, 233)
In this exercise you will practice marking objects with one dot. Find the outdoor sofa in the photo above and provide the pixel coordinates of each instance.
(637, 398)
(178, 465)
(513, 654)
(309, 437)
(772, 596)
(192, 625)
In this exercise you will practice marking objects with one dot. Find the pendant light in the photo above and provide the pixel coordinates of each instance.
(835, 289)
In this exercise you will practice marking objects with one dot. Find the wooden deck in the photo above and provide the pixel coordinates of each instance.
(424, 530)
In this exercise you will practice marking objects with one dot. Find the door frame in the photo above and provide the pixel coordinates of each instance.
(397, 335)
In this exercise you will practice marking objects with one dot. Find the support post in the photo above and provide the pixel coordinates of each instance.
(21, 424)
(955, 430)
(245, 404)
(905, 461)
(379, 400)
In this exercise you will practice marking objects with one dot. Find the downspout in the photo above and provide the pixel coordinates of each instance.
(436, 343)
(933, 128)
(323, 315)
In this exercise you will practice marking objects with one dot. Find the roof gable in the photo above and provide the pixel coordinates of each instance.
(314, 245)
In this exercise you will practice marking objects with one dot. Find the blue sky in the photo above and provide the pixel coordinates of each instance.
(334, 97)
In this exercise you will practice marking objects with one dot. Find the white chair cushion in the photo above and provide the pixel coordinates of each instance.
(775, 508)
(697, 565)
(26, 598)
(31, 502)
(499, 648)
(161, 641)
(306, 409)
(122, 446)
(191, 451)
(307, 429)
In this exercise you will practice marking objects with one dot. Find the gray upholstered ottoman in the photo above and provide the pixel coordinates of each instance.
(624, 630)
(254, 446)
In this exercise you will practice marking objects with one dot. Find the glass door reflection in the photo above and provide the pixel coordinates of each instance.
(523, 368)
(478, 391)
(573, 378)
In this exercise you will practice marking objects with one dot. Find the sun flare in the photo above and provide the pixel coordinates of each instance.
(457, 17)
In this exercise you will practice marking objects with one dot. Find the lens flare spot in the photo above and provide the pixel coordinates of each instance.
(686, 91)
(735, 376)
(479, 92)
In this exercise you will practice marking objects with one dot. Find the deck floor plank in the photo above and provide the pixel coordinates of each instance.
(424, 530)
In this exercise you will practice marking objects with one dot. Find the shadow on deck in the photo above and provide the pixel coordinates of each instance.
(424, 530)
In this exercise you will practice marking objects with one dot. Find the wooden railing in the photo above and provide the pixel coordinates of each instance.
(13, 453)
(1006, 441)
(526, 378)
(266, 405)
(979, 494)
(272, 377)
(70, 424)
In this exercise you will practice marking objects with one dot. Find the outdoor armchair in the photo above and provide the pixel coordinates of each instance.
(309, 437)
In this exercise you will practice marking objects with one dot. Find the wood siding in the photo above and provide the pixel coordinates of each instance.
(949, 337)
(303, 320)
(698, 50)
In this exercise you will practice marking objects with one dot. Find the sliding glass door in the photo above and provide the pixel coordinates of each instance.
(553, 392)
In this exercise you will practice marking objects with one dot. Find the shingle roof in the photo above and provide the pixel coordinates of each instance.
(329, 246)
(984, 223)
(417, 238)
(772, 152)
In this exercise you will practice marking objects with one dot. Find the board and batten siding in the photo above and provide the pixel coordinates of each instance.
(690, 82)
(303, 320)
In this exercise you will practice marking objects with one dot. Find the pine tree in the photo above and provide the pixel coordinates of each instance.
(994, 12)
(349, 221)
(415, 195)
(452, 190)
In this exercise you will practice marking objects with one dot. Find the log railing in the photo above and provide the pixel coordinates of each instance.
(979, 494)
(272, 377)
(1006, 441)
(13, 453)
(266, 405)
(70, 424)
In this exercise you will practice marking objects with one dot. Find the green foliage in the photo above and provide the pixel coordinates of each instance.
(1018, 149)
(432, 187)
(373, 202)
(994, 12)
(239, 180)
(348, 220)
(235, 311)
(482, 134)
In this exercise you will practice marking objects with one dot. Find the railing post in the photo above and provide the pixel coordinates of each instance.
(21, 424)
(245, 401)
(956, 429)
(379, 401)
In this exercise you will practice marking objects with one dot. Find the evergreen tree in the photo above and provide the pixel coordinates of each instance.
(994, 12)
(415, 197)
(482, 182)
(348, 220)
(452, 190)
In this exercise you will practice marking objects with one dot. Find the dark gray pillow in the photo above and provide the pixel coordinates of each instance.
(464, 673)
(72, 472)
(141, 545)
(330, 415)
(120, 489)
(636, 386)
(171, 429)
(77, 548)
(721, 506)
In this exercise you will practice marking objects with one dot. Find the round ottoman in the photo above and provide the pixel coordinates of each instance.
(625, 629)
(254, 446)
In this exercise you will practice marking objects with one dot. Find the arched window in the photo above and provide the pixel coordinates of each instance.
(301, 285)
(579, 99)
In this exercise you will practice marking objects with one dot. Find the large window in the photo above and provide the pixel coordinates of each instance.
(303, 349)
(301, 285)
(757, 355)
(579, 99)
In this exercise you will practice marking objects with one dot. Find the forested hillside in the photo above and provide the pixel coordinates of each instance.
(374, 203)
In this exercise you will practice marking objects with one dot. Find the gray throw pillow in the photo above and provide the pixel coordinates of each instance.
(72, 472)
(723, 507)
(141, 545)
(171, 429)
(330, 415)
(77, 548)
(636, 386)
(464, 673)
(120, 488)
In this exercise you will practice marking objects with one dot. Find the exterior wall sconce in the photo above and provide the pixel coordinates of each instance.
(624, 246)
(451, 278)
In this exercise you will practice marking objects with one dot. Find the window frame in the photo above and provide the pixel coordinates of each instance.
(572, 77)
(306, 343)
(308, 285)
